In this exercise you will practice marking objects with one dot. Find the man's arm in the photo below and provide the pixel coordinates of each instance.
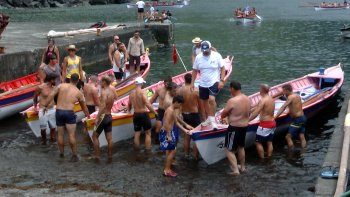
(148, 104)
(194, 76)
(116, 59)
(35, 98)
(126, 55)
(227, 109)
(142, 48)
(222, 77)
(213, 49)
(83, 106)
(193, 58)
(181, 122)
(129, 106)
(129, 46)
(50, 97)
(81, 70)
(42, 57)
(177, 123)
(110, 54)
(154, 97)
(284, 106)
(95, 97)
(257, 111)
(57, 55)
(42, 75)
(64, 69)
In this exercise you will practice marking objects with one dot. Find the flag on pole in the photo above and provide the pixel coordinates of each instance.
(174, 55)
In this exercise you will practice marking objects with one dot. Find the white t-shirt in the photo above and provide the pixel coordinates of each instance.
(209, 68)
(152, 10)
(140, 4)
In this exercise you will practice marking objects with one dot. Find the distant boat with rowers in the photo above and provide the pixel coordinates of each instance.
(316, 91)
(246, 19)
(323, 8)
(122, 125)
(185, 2)
(130, 5)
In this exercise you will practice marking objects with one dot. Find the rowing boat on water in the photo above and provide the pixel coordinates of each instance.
(18, 95)
(316, 91)
(246, 19)
(125, 87)
(122, 125)
(319, 8)
(130, 5)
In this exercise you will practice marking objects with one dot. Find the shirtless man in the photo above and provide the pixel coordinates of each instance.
(166, 134)
(190, 112)
(237, 111)
(267, 125)
(43, 91)
(103, 120)
(91, 94)
(68, 95)
(113, 47)
(160, 94)
(296, 113)
(138, 100)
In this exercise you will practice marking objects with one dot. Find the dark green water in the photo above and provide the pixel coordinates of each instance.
(288, 43)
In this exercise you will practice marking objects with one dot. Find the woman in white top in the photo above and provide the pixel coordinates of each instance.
(140, 5)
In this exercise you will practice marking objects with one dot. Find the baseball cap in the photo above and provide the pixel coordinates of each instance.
(139, 80)
(205, 46)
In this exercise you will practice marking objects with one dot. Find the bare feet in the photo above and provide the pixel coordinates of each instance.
(53, 140)
(234, 173)
(242, 169)
(61, 155)
(96, 158)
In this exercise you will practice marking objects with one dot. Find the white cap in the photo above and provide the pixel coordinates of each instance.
(139, 80)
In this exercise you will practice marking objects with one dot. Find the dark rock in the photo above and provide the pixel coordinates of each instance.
(28, 3)
(5, 4)
(98, 2)
(10, 2)
(44, 3)
(17, 3)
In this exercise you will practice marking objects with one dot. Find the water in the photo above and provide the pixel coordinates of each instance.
(288, 43)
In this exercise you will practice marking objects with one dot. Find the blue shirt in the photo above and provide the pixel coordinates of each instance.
(246, 8)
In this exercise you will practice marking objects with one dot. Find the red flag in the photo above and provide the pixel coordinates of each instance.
(174, 55)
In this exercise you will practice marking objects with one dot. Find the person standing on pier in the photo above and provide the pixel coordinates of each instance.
(267, 125)
(71, 65)
(296, 113)
(118, 62)
(4, 21)
(135, 48)
(190, 112)
(237, 111)
(113, 47)
(212, 69)
(140, 9)
(91, 94)
(68, 95)
(138, 100)
(51, 67)
(43, 91)
(51, 49)
(196, 49)
(104, 120)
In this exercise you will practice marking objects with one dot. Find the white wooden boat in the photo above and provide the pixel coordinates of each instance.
(319, 8)
(130, 5)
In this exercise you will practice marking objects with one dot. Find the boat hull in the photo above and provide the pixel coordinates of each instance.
(319, 8)
(129, 5)
(246, 19)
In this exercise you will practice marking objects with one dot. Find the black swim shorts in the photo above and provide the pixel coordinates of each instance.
(64, 117)
(235, 136)
(118, 75)
(160, 114)
(141, 120)
(91, 108)
(104, 123)
(140, 10)
(192, 119)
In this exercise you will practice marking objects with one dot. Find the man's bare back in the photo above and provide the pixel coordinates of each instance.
(68, 95)
(191, 99)
(90, 94)
(268, 108)
(137, 100)
(295, 106)
(107, 97)
(44, 91)
(238, 115)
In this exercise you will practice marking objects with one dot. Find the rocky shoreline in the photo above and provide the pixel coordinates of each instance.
(9, 4)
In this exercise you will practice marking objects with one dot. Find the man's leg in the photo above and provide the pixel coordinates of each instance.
(53, 134)
(289, 141)
(187, 140)
(206, 106)
(302, 140)
(137, 139)
(71, 128)
(141, 17)
(269, 149)
(138, 17)
(96, 144)
(60, 138)
(195, 151)
(110, 143)
(158, 126)
(212, 105)
(233, 161)
(138, 68)
(259, 149)
(43, 134)
(148, 138)
(170, 154)
(241, 157)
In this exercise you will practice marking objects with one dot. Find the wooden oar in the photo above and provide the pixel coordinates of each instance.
(258, 16)
(310, 3)
(26, 87)
(121, 83)
(304, 6)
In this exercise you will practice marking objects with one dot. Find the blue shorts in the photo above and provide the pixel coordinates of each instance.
(132, 58)
(64, 117)
(175, 130)
(262, 139)
(204, 93)
(297, 126)
(163, 139)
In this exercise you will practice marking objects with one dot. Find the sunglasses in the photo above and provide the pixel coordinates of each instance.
(116, 39)
(136, 34)
(71, 50)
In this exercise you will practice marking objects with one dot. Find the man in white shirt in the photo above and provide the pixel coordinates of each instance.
(212, 70)
(140, 5)
(152, 10)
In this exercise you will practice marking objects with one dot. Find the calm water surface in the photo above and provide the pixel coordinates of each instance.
(288, 43)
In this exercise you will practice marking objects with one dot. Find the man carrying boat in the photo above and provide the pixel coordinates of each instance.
(113, 47)
(135, 48)
(166, 134)
(212, 69)
(190, 112)
(119, 62)
(267, 125)
(49, 118)
(91, 94)
(51, 67)
(68, 95)
(104, 120)
(71, 65)
(139, 101)
(296, 113)
(237, 111)
(160, 94)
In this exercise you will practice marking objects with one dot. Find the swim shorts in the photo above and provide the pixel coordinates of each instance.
(163, 139)
(265, 131)
(91, 108)
(191, 119)
(204, 93)
(298, 125)
(64, 117)
(141, 120)
(140, 10)
(104, 124)
(118, 75)
(48, 118)
(175, 130)
(132, 58)
(161, 114)
(235, 136)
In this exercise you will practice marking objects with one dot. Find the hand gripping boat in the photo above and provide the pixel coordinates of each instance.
(316, 91)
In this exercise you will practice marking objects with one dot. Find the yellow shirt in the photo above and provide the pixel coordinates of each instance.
(73, 66)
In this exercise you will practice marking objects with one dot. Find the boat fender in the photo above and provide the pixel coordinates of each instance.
(114, 83)
(149, 92)
(51, 33)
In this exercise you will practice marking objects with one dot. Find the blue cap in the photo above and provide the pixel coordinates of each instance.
(205, 46)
